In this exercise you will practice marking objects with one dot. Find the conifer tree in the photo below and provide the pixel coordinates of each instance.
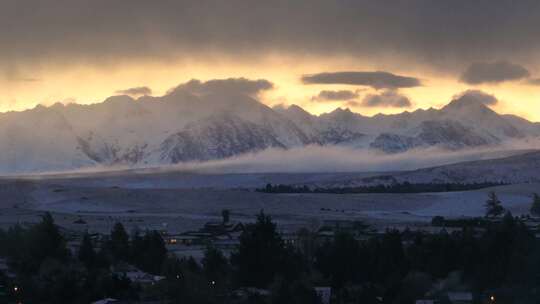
(535, 207)
(493, 206)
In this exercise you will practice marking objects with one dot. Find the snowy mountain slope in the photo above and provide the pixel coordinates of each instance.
(523, 124)
(338, 129)
(464, 123)
(480, 118)
(27, 143)
(218, 137)
(448, 134)
(184, 126)
(150, 130)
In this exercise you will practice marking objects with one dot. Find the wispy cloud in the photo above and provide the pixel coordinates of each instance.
(225, 86)
(376, 80)
(340, 95)
(388, 98)
(493, 72)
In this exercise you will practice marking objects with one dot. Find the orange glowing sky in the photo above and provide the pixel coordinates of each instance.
(94, 83)
(85, 51)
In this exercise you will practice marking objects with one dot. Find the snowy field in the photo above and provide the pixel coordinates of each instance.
(183, 201)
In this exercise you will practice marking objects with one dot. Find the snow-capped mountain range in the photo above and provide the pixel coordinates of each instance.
(182, 126)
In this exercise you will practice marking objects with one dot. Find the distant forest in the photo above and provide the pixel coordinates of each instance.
(405, 187)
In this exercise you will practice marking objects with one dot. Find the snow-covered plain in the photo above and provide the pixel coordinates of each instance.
(182, 201)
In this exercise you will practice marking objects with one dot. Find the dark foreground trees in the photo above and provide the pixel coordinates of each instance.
(46, 271)
(499, 257)
(535, 207)
(262, 255)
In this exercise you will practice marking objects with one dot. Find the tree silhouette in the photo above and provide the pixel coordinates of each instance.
(226, 215)
(260, 253)
(535, 207)
(86, 254)
(493, 206)
(118, 245)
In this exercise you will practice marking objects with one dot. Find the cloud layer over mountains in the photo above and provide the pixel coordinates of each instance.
(376, 80)
(388, 98)
(493, 72)
(225, 86)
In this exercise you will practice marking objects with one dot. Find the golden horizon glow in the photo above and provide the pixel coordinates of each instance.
(86, 84)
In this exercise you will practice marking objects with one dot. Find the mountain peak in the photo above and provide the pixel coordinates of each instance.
(472, 99)
(342, 110)
(119, 100)
(296, 108)
(298, 111)
(342, 114)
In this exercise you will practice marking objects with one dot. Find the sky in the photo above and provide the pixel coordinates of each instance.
(370, 56)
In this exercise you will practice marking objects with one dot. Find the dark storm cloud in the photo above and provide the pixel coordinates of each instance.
(493, 72)
(13, 74)
(137, 91)
(534, 81)
(335, 95)
(388, 98)
(476, 96)
(442, 34)
(225, 86)
(377, 80)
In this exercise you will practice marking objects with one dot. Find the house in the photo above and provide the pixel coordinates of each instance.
(245, 292)
(4, 269)
(142, 278)
(290, 238)
(181, 239)
(326, 235)
(106, 301)
(135, 275)
(324, 293)
(226, 244)
(217, 228)
(460, 297)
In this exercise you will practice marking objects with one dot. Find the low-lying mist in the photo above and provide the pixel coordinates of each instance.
(314, 158)
(346, 159)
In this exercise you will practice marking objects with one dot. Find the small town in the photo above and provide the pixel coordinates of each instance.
(334, 262)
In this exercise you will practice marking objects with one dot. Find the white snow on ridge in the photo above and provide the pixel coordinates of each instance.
(184, 127)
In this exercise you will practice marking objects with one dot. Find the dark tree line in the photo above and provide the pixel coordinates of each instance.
(405, 187)
(395, 267)
(46, 271)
